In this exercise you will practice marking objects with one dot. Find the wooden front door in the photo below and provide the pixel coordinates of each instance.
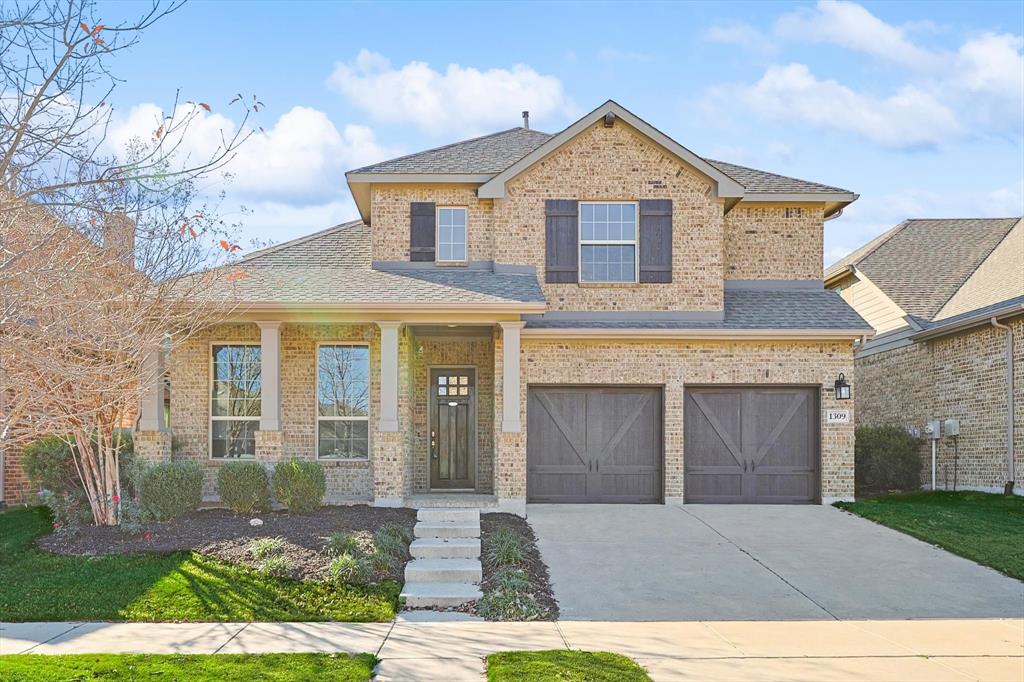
(594, 444)
(452, 428)
(751, 444)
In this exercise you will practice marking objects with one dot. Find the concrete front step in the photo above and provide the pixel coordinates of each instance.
(446, 529)
(449, 515)
(443, 571)
(445, 548)
(439, 595)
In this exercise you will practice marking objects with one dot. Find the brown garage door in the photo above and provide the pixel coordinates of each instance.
(594, 444)
(751, 444)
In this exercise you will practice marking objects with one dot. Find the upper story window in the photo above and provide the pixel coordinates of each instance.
(343, 402)
(608, 242)
(451, 234)
(235, 400)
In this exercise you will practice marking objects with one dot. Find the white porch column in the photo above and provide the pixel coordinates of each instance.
(151, 405)
(510, 376)
(388, 375)
(270, 375)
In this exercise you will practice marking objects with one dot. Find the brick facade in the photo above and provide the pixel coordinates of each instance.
(774, 241)
(961, 376)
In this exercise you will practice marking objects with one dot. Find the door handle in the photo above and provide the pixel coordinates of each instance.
(433, 444)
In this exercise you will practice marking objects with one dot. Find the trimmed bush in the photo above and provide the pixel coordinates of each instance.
(300, 485)
(244, 487)
(168, 490)
(887, 458)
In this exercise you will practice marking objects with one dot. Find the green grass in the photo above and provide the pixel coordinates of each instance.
(982, 527)
(38, 586)
(175, 668)
(563, 665)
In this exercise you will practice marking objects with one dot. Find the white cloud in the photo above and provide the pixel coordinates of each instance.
(301, 159)
(461, 100)
(743, 36)
(909, 118)
(849, 25)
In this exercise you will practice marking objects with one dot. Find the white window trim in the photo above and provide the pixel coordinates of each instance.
(580, 242)
(316, 405)
(209, 403)
(437, 234)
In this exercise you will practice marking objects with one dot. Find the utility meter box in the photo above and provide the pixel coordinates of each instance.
(933, 429)
(951, 427)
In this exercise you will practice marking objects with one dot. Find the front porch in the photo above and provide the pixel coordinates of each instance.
(415, 417)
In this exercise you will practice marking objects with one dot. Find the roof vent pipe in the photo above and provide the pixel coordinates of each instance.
(526, 120)
(1009, 405)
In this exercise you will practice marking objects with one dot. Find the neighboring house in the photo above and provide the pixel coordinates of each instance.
(947, 300)
(599, 315)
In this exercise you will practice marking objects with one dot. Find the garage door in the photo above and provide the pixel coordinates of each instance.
(594, 444)
(751, 445)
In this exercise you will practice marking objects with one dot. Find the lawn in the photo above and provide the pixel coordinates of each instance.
(564, 665)
(38, 586)
(197, 668)
(983, 527)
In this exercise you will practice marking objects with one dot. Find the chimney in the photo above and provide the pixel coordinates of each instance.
(119, 237)
(526, 120)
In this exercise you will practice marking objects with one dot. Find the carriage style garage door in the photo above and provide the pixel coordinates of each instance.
(751, 444)
(594, 444)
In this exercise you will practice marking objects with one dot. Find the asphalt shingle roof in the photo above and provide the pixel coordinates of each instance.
(747, 310)
(333, 267)
(920, 264)
(493, 153)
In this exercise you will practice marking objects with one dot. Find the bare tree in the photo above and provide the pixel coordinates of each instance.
(95, 243)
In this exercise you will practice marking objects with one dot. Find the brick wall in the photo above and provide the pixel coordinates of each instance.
(771, 241)
(673, 365)
(16, 487)
(961, 376)
(774, 241)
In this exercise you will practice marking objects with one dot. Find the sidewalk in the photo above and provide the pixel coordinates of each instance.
(736, 650)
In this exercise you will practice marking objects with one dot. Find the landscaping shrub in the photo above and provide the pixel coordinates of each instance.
(342, 543)
(300, 485)
(510, 579)
(392, 540)
(887, 458)
(270, 557)
(349, 568)
(509, 605)
(505, 548)
(170, 489)
(244, 487)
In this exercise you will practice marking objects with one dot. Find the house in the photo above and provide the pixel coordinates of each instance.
(946, 298)
(598, 315)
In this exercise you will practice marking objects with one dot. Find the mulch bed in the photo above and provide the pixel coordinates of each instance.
(533, 564)
(221, 534)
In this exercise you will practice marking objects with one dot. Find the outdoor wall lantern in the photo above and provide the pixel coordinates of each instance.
(842, 388)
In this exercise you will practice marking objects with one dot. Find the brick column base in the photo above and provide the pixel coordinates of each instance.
(270, 446)
(153, 446)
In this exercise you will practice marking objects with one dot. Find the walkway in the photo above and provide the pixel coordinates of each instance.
(794, 650)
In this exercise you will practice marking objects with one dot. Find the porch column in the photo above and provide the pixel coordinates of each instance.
(153, 439)
(388, 376)
(151, 406)
(270, 375)
(510, 376)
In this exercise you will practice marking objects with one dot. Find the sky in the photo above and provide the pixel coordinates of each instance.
(916, 106)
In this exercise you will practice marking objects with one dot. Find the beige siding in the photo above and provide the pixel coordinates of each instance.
(873, 305)
(999, 277)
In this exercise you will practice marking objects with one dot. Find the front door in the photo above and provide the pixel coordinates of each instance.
(452, 428)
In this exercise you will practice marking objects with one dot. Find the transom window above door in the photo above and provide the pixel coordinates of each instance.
(457, 384)
(608, 241)
(451, 234)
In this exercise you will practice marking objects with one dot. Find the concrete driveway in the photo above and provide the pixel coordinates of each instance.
(741, 562)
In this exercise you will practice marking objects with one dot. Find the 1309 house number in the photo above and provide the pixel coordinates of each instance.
(838, 416)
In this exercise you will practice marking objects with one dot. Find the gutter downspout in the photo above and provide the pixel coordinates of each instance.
(1010, 474)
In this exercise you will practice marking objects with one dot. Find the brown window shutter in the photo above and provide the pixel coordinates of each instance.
(561, 240)
(656, 240)
(422, 230)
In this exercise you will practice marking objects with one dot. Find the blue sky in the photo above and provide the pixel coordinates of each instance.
(916, 106)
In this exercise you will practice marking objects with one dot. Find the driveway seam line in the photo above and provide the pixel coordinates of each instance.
(237, 632)
(558, 629)
(387, 635)
(759, 562)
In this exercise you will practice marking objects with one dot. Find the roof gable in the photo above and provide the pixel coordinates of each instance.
(725, 186)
